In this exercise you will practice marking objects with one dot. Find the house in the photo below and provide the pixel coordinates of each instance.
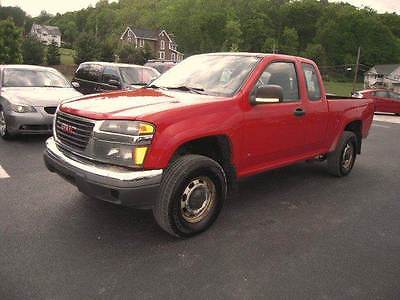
(161, 42)
(383, 76)
(46, 34)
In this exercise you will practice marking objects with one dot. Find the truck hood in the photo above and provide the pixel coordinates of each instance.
(38, 96)
(132, 104)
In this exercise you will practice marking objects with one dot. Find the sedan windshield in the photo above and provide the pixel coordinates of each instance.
(138, 76)
(33, 78)
(218, 75)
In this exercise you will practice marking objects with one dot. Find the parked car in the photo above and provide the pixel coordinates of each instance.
(161, 66)
(179, 145)
(384, 100)
(29, 96)
(99, 77)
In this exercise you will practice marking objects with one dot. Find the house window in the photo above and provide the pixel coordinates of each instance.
(173, 56)
(162, 46)
(162, 55)
(141, 43)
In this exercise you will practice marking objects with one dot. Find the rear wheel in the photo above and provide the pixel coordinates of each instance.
(192, 193)
(341, 161)
(3, 126)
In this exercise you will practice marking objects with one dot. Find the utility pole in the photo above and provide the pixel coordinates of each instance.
(357, 68)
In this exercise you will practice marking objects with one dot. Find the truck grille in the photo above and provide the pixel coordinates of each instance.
(72, 131)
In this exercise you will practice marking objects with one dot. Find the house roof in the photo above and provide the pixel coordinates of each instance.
(50, 30)
(384, 69)
(145, 33)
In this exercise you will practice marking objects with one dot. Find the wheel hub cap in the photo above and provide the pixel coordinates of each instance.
(3, 125)
(347, 158)
(197, 199)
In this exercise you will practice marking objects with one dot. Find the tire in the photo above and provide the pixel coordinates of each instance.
(341, 161)
(3, 127)
(200, 181)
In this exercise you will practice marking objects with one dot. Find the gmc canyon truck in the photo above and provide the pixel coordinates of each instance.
(179, 145)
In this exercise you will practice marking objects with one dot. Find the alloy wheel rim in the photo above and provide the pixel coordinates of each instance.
(197, 199)
(3, 124)
(348, 156)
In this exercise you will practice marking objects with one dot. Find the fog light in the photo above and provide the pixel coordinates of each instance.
(140, 154)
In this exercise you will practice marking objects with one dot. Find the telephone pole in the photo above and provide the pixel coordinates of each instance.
(357, 68)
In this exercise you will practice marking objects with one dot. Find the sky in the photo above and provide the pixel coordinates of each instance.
(34, 7)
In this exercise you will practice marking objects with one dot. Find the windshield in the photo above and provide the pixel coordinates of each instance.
(138, 76)
(218, 75)
(33, 78)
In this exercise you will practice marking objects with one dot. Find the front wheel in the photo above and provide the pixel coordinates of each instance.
(3, 126)
(192, 193)
(341, 161)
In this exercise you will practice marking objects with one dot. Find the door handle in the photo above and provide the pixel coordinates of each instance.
(299, 112)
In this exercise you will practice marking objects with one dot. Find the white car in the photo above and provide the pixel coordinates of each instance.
(29, 96)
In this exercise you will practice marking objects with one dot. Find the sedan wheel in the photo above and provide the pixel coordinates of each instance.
(3, 126)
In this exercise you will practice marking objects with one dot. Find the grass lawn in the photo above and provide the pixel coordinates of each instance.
(67, 56)
(341, 88)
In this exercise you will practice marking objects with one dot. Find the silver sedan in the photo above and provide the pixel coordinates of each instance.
(29, 96)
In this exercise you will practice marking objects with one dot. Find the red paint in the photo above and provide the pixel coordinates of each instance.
(383, 104)
(262, 137)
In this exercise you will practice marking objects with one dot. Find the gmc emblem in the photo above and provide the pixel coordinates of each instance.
(68, 129)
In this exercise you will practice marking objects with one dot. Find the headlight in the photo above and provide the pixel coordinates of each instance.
(21, 108)
(133, 128)
(124, 143)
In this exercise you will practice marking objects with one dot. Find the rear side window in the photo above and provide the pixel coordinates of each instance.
(282, 74)
(95, 73)
(110, 73)
(382, 94)
(312, 82)
(82, 72)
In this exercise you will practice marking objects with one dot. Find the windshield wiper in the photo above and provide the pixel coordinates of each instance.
(139, 83)
(53, 86)
(185, 88)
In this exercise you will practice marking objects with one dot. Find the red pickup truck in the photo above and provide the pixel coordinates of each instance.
(179, 145)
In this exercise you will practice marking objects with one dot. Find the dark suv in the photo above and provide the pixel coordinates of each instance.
(98, 77)
(161, 66)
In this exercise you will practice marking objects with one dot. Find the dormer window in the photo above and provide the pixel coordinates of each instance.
(162, 45)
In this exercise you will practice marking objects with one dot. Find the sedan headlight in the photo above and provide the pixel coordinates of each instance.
(124, 143)
(133, 128)
(22, 108)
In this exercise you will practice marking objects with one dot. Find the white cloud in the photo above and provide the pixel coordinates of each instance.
(34, 7)
(379, 5)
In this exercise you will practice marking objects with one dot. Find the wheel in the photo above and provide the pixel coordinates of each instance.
(193, 190)
(341, 161)
(3, 126)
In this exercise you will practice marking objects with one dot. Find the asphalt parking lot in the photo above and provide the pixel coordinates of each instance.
(294, 233)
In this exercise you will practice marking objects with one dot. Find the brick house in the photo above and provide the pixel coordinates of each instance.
(161, 42)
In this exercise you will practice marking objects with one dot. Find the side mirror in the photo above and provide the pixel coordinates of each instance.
(114, 82)
(75, 84)
(267, 94)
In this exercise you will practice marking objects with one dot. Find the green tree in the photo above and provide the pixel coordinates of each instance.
(33, 51)
(53, 55)
(316, 53)
(86, 48)
(270, 45)
(128, 53)
(289, 43)
(233, 35)
(148, 52)
(10, 43)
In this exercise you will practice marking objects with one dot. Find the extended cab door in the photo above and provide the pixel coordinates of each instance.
(274, 132)
(316, 106)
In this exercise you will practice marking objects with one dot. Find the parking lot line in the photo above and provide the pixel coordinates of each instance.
(3, 173)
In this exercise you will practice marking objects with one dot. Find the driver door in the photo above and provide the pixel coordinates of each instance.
(275, 131)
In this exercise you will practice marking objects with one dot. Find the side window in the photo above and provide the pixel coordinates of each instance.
(312, 81)
(381, 94)
(82, 72)
(110, 73)
(95, 72)
(282, 74)
(394, 96)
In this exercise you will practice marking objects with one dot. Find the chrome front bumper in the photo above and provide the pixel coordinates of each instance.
(106, 182)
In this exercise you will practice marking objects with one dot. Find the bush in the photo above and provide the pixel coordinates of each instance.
(86, 48)
(10, 43)
(32, 51)
(53, 56)
(129, 54)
